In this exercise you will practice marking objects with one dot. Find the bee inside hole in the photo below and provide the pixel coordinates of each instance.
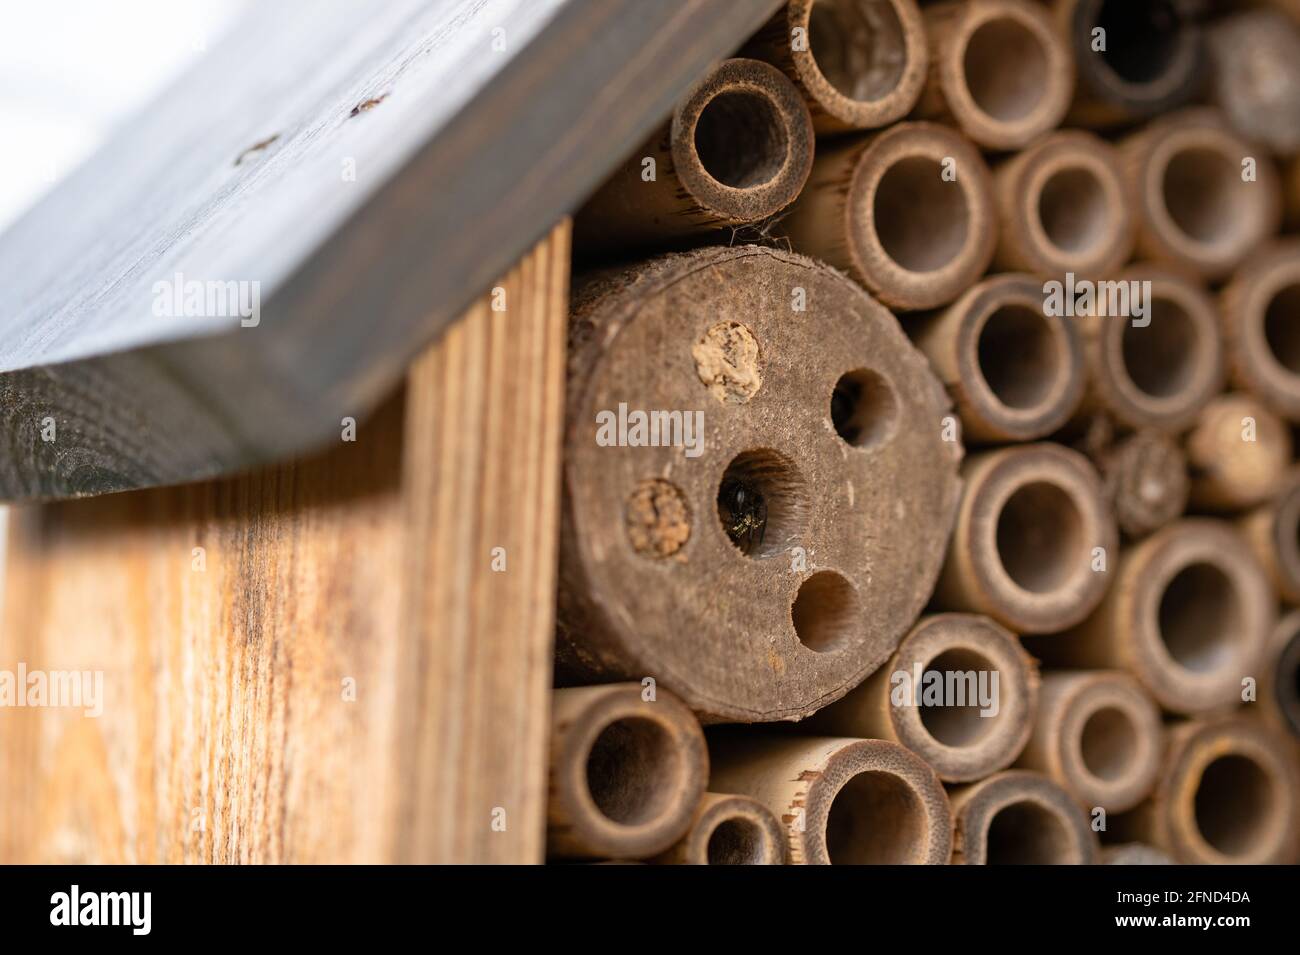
(761, 503)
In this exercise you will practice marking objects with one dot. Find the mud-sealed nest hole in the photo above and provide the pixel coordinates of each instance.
(728, 361)
(658, 519)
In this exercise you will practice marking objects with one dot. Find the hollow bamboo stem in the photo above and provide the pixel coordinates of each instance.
(729, 830)
(1273, 531)
(1262, 337)
(626, 774)
(978, 719)
(736, 151)
(1025, 546)
(1097, 735)
(907, 212)
(1238, 453)
(841, 801)
(1255, 76)
(1019, 818)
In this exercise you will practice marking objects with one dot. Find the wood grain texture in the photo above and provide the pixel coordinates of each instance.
(482, 471)
(227, 732)
(463, 155)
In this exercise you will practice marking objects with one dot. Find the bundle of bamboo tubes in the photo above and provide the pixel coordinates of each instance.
(930, 493)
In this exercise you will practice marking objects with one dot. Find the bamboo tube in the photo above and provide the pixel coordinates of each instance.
(1024, 549)
(842, 801)
(1255, 76)
(1226, 794)
(1187, 615)
(1238, 454)
(1153, 60)
(625, 776)
(729, 830)
(736, 151)
(1014, 371)
(976, 729)
(1019, 818)
(999, 71)
(1156, 371)
(1279, 684)
(1262, 336)
(1063, 207)
(1273, 532)
(1097, 735)
(1196, 208)
(1145, 479)
(860, 64)
(1291, 194)
(771, 603)
(1133, 853)
(907, 212)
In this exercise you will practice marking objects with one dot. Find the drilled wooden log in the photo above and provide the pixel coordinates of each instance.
(1097, 734)
(1019, 818)
(1187, 614)
(1155, 370)
(1273, 531)
(1206, 199)
(907, 212)
(841, 801)
(1227, 793)
(764, 565)
(1024, 548)
(1238, 454)
(1148, 59)
(1262, 337)
(729, 830)
(1063, 206)
(737, 149)
(627, 773)
(1014, 371)
(964, 735)
(999, 71)
(860, 64)
(1255, 76)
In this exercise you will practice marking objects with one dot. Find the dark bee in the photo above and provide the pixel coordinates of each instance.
(743, 512)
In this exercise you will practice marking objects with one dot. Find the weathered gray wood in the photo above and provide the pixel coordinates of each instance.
(464, 155)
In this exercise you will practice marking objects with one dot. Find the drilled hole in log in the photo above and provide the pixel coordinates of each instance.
(1040, 537)
(1235, 803)
(658, 520)
(1141, 38)
(858, 45)
(950, 724)
(1160, 358)
(864, 409)
(921, 220)
(762, 503)
(737, 842)
(631, 771)
(1200, 617)
(1025, 833)
(1006, 69)
(1018, 357)
(741, 139)
(825, 612)
(875, 819)
(1108, 743)
(1073, 210)
(1201, 189)
(1282, 327)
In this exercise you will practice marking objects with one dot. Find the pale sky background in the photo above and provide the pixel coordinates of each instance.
(72, 69)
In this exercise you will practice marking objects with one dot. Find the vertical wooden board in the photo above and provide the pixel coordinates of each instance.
(226, 734)
(483, 430)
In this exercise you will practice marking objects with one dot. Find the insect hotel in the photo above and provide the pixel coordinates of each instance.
(489, 431)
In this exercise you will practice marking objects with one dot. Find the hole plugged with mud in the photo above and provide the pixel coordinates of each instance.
(762, 503)
(657, 518)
